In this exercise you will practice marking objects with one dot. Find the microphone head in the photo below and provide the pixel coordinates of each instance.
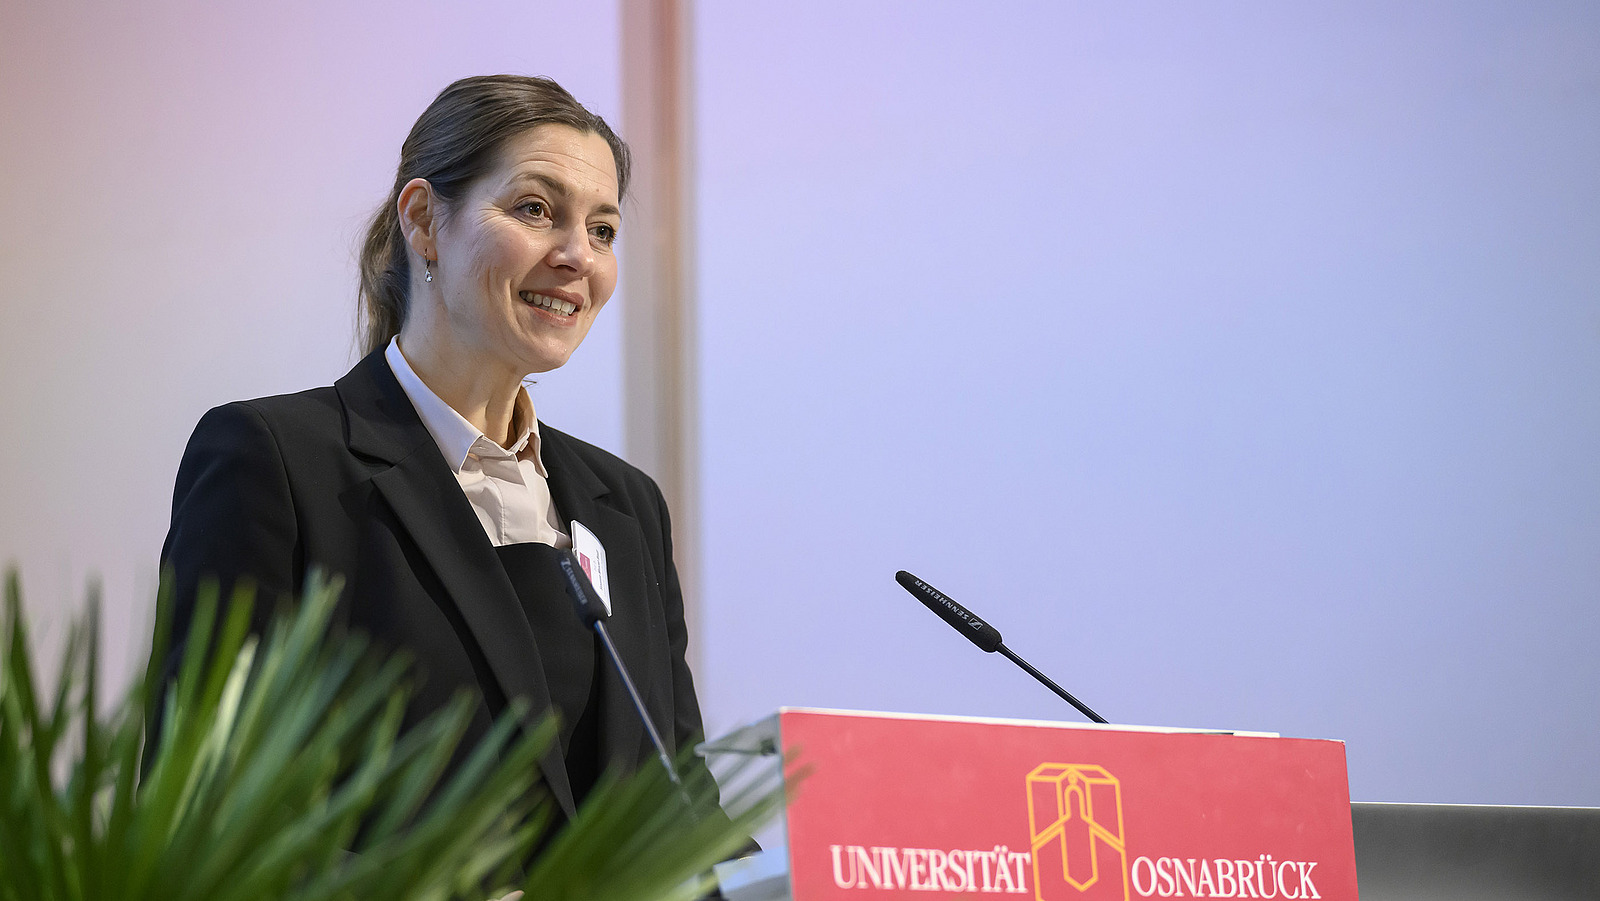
(590, 608)
(966, 622)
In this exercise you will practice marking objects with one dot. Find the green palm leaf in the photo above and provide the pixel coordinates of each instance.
(283, 773)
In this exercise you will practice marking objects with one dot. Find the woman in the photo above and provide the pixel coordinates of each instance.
(423, 475)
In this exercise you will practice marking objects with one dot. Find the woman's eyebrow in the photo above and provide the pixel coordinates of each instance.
(559, 188)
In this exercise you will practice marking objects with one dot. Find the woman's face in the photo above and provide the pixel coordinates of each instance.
(527, 258)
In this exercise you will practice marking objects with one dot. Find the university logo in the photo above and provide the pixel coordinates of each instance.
(1075, 827)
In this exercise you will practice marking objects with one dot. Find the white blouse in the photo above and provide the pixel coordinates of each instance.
(507, 487)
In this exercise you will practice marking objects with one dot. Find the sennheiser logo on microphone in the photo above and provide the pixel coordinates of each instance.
(950, 605)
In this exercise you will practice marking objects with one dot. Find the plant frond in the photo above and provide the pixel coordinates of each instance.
(282, 772)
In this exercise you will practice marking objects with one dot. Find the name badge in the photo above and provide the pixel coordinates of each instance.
(592, 558)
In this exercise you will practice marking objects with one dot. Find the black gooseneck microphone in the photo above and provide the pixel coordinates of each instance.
(982, 634)
(593, 613)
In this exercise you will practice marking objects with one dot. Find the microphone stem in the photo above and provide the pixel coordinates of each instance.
(638, 704)
(1082, 708)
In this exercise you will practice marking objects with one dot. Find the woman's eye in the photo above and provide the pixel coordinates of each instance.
(536, 209)
(605, 233)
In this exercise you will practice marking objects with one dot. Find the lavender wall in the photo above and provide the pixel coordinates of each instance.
(1239, 361)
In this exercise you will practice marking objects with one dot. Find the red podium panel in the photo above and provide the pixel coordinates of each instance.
(911, 807)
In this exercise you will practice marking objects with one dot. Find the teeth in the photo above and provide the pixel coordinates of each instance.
(545, 302)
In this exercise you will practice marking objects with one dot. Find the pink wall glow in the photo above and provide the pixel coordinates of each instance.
(185, 184)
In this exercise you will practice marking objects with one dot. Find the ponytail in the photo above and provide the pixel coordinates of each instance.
(385, 278)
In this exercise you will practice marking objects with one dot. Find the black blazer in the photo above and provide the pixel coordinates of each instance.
(348, 478)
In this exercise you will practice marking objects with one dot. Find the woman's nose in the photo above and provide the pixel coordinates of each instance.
(573, 251)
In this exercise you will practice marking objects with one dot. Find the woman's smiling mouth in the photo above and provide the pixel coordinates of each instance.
(546, 302)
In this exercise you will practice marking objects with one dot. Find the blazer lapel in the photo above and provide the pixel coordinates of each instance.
(579, 493)
(425, 497)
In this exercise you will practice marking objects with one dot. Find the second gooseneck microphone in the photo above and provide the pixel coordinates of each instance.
(980, 633)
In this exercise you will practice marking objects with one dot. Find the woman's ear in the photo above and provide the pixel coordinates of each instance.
(418, 210)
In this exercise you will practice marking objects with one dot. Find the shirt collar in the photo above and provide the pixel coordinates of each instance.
(456, 436)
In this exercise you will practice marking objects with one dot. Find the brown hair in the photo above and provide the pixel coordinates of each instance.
(454, 142)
